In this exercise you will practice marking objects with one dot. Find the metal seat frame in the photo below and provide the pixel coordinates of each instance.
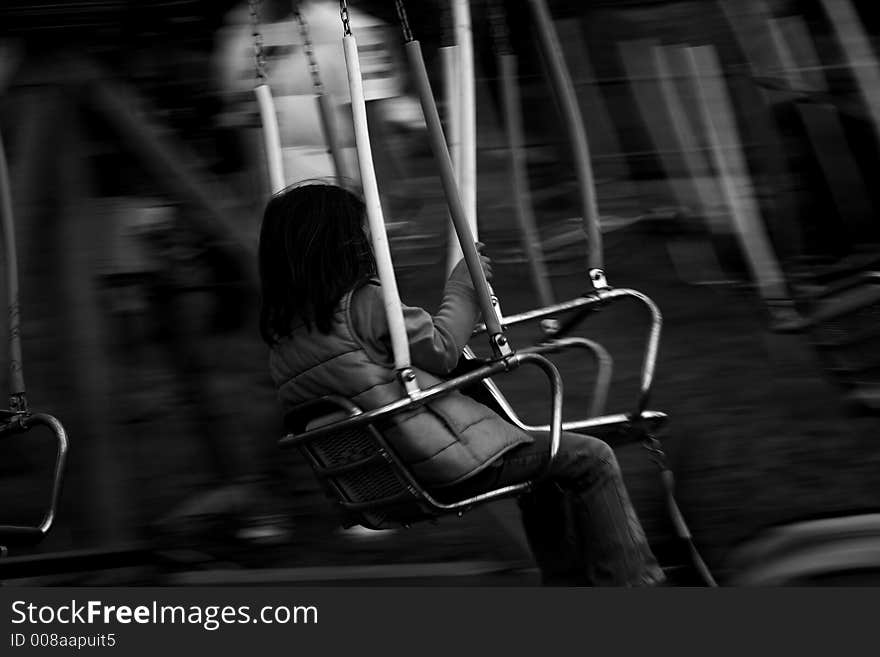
(411, 494)
(16, 422)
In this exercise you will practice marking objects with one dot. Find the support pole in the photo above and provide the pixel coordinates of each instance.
(378, 236)
(450, 56)
(16, 371)
(461, 16)
(271, 138)
(456, 207)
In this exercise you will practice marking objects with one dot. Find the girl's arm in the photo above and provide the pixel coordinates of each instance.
(435, 341)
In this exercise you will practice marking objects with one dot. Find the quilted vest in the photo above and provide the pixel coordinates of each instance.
(442, 442)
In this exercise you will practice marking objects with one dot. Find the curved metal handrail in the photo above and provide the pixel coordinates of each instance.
(652, 344)
(604, 365)
(22, 423)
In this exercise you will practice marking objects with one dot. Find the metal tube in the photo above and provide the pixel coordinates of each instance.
(603, 421)
(447, 178)
(271, 138)
(34, 534)
(652, 344)
(539, 313)
(461, 18)
(60, 464)
(378, 236)
(651, 348)
(557, 397)
(574, 123)
(331, 134)
(604, 366)
(520, 179)
(16, 371)
(449, 56)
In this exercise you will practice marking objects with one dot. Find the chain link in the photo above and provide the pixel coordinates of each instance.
(309, 49)
(499, 28)
(346, 21)
(259, 55)
(404, 21)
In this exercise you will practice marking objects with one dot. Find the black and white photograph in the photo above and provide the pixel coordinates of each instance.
(436, 295)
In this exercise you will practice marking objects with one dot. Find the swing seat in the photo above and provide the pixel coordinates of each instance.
(15, 423)
(360, 470)
(357, 469)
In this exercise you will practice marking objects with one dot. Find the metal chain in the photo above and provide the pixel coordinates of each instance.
(259, 56)
(346, 21)
(404, 21)
(309, 49)
(499, 28)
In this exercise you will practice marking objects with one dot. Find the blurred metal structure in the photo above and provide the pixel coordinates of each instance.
(19, 418)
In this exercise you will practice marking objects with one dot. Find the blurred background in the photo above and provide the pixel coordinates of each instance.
(731, 143)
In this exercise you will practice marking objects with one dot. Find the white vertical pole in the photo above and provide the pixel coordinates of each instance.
(271, 138)
(726, 149)
(461, 15)
(451, 59)
(378, 236)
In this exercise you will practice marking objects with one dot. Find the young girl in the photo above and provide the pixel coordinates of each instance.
(323, 318)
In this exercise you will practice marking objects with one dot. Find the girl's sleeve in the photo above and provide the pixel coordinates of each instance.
(436, 341)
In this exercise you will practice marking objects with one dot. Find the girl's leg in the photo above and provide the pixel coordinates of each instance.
(615, 550)
(580, 517)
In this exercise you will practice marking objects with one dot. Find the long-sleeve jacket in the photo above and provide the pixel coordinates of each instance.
(443, 441)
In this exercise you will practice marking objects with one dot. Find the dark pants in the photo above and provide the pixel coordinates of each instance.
(579, 520)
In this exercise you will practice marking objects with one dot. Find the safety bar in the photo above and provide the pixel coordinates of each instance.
(598, 297)
(595, 420)
(445, 387)
(361, 418)
(25, 422)
(603, 360)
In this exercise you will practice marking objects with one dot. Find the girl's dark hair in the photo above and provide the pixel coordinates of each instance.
(313, 249)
